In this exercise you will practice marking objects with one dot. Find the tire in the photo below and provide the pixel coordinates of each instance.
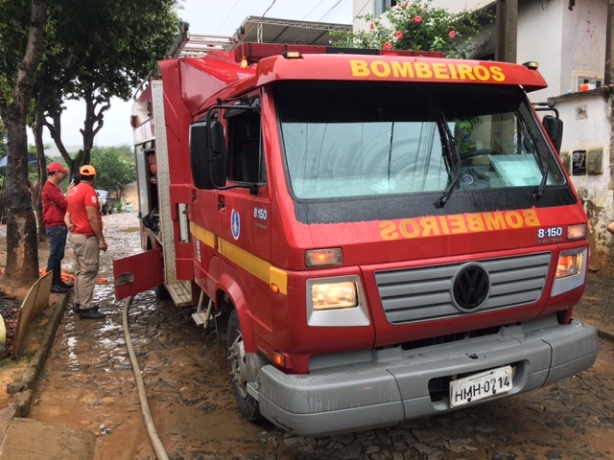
(248, 406)
(162, 292)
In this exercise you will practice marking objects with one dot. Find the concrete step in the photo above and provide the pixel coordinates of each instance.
(32, 440)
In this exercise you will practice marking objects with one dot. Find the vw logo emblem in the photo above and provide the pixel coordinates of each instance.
(470, 288)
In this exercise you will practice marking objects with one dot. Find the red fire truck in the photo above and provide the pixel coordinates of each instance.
(377, 235)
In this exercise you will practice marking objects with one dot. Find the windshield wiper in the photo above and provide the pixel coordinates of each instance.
(453, 160)
(441, 202)
(542, 185)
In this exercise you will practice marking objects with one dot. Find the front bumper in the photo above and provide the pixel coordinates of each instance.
(372, 388)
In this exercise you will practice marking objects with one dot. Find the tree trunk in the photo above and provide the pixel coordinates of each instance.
(55, 130)
(94, 121)
(37, 130)
(21, 238)
(21, 241)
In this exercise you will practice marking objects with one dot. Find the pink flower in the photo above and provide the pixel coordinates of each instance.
(387, 46)
(372, 26)
(452, 34)
(399, 35)
(424, 10)
(418, 19)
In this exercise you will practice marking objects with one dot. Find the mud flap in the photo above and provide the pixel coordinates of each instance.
(138, 273)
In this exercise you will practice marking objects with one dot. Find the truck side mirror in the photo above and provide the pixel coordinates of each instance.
(208, 154)
(554, 128)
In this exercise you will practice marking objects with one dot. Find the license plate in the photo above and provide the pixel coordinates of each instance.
(480, 386)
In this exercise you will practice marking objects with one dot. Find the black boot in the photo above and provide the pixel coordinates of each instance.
(77, 308)
(91, 314)
(56, 287)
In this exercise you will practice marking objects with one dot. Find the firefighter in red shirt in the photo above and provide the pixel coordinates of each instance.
(84, 221)
(54, 208)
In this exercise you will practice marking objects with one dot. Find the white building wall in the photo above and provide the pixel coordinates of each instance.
(583, 44)
(456, 6)
(588, 127)
(361, 8)
(539, 39)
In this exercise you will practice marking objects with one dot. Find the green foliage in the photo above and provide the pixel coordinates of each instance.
(95, 50)
(115, 168)
(416, 25)
(14, 19)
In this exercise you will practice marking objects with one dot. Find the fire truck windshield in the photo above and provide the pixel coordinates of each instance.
(346, 140)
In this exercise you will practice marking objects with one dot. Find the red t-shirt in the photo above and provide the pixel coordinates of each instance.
(81, 196)
(54, 205)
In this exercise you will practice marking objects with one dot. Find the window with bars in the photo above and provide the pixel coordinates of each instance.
(382, 5)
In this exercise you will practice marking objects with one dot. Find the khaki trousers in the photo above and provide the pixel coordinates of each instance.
(86, 268)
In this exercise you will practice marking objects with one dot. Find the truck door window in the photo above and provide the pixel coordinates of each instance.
(247, 162)
(368, 139)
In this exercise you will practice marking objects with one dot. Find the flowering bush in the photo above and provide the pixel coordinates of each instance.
(415, 25)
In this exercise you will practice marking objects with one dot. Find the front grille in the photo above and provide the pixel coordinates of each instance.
(426, 293)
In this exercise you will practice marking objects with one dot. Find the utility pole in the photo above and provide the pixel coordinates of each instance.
(608, 74)
(507, 30)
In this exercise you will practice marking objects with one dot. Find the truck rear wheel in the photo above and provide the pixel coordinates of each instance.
(248, 406)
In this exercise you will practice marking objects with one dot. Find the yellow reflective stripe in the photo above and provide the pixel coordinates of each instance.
(258, 267)
(202, 234)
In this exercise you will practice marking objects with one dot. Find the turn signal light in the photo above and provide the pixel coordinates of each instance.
(323, 257)
(576, 232)
(279, 359)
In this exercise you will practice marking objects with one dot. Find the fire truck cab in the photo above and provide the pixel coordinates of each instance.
(378, 235)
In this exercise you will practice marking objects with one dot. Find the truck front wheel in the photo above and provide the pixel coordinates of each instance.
(248, 406)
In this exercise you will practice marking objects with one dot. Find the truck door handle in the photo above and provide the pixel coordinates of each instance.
(221, 202)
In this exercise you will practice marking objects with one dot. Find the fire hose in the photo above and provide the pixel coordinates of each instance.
(149, 425)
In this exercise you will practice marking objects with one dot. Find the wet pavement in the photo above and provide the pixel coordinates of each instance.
(89, 382)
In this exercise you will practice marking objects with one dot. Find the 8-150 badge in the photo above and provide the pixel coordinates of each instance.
(260, 214)
(550, 233)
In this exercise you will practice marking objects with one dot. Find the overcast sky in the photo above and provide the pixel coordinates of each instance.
(206, 17)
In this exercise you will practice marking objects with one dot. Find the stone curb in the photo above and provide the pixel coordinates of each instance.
(35, 367)
(601, 332)
(604, 334)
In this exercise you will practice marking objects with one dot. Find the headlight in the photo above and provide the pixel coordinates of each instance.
(569, 264)
(570, 271)
(336, 302)
(333, 296)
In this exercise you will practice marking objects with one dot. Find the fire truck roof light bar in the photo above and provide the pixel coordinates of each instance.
(292, 55)
(253, 52)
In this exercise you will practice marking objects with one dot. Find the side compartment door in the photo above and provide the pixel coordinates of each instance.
(135, 274)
